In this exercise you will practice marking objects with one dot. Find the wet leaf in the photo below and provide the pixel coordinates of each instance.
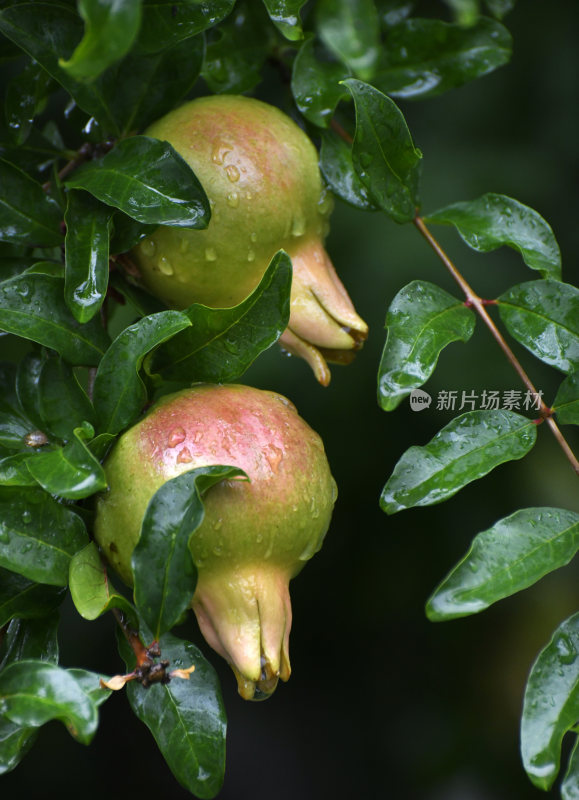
(494, 220)
(38, 536)
(14, 472)
(32, 306)
(26, 212)
(350, 29)
(186, 718)
(88, 227)
(566, 403)
(285, 15)
(466, 449)
(421, 321)
(25, 95)
(316, 85)
(26, 385)
(551, 705)
(15, 742)
(62, 403)
(26, 599)
(119, 393)
(544, 317)
(148, 180)
(338, 170)
(222, 342)
(167, 22)
(110, 30)
(92, 592)
(570, 785)
(383, 152)
(127, 232)
(31, 638)
(163, 569)
(513, 554)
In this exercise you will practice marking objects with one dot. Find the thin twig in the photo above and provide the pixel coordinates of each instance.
(476, 302)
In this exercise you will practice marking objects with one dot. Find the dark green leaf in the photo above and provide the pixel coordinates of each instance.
(236, 50)
(544, 317)
(566, 403)
(351, 30)
(88, 227)
(127, 232)
(90, 587)
(34, 692)
(512, 555)
(31, 638)
(570, 785)
(147, 180)
(25, 96)
(62, 403)
(222, 342)
(421, 321)
(14, 472)
(27, 213)
(163, 569)
(70, 471)
(27, 382)
(383, 152)
(186, 718)
(33, 306)
(119, 393)
(110, 30)
(38, 535)
(13, 265)
(25, 599)
(551, 705)
(15, 742)
(494, 220)
(14, 428)
(167, 22)
(316, 85)
(285, 15)
(89, 682)
(469, 447)
(338, 170)
(143, 303)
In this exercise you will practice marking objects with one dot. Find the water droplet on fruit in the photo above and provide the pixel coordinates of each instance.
(251, 255)
(220, 150)
(274, 455)
(165, 266)
(232, 173)
(217, 525)
(148, 247)
(176, 436)
(184, 456)
(233, 199)
(298, 226)
(210, 254)
(253, 237)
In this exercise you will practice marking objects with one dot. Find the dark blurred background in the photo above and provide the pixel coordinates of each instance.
(383, 703)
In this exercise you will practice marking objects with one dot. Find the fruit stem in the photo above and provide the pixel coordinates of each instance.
(478, 304)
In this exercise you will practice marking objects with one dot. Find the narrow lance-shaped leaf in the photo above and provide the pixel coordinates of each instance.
(163, 569)
(27, 213)
(186, 718)
(494, 220)
(26, 599)
(91, 590)
(63, 404)
(426, 57)
(168, 22)
(285, 15)
(148, 180)
(316, 85)
(422, 320)
(566, 403)
(119, 393)
(469, 447)
(338, 169)
(383, 152)
(32, 306)
(88, 227)
(222, 342)
(351, 30)
(512, 555)
(110, 30)
(551, 705)
(544, 317)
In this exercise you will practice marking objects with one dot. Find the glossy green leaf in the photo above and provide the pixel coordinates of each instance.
(14, 427)
(71, 471)
(421, 321)
(111, 27)
(544, 317)
(351, 30)
(127, 232)
(33, 306)
(34, 692)
(119, 393)
(566, 402)
(338, 169)
(469, 447)
(570, 785)
(13, 265)
(88, 227)
(143, 303)
(551, 705)
(89, 682)
(26, 385)
(222, 342)
(167, 22)
(285, 15)
(148, 180)
(316, 84)
(163, 569)
(38, 536)
(383, 152)
(62, 403)
(15, 742)
(27, 213)
(494, 220)
(26, 599)
(237, 49)
(31, 638)
(14, 472)
(25, 95)
(513, 554)
(92, 592)
(186, 718)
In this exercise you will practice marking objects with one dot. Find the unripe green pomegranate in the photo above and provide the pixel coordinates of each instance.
(255, 536)
(260, 172)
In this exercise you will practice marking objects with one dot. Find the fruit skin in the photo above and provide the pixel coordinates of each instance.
(255, 536)
(260, 172)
